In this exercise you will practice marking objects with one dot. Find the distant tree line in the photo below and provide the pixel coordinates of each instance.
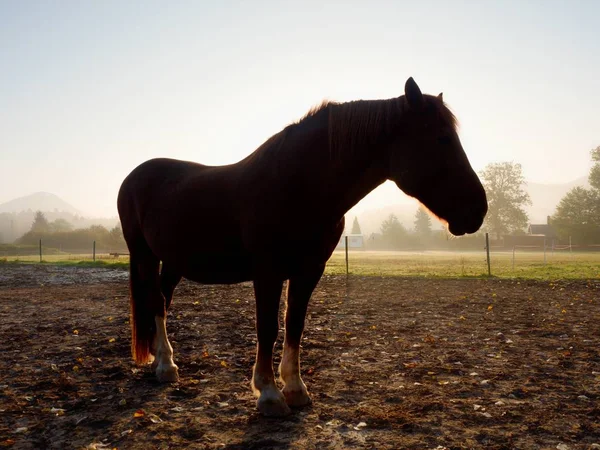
(14, 225)
(393, 235)
(577, 216)
(60, 234)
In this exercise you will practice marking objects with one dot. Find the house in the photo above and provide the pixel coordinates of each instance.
(538, 235)
(542, 229)
(545, 231)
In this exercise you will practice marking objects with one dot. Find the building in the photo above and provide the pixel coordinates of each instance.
(538, 235)
(355, 242)
(545, 231)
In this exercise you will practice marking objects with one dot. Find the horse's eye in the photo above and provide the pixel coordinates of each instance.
(444, 140)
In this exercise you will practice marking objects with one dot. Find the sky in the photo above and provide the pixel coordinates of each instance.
(89, 90)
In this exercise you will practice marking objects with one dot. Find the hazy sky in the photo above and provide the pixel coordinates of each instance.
(88, 90)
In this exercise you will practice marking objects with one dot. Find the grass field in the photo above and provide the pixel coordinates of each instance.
(530, 265)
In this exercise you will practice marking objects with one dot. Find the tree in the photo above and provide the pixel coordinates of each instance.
(40, 223)
(116, 239)
(578, 213)
(393, 232)
(60, 225)
(506, 198)
(594, 177)
(422, 223)
(355, 227)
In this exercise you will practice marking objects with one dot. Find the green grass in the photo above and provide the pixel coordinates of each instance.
(528, 265)
(468, 264)
(70, 260)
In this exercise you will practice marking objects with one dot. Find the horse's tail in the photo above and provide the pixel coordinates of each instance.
(146, 299)
(143, 327)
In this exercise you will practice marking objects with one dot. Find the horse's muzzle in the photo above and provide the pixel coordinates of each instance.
(466, 224)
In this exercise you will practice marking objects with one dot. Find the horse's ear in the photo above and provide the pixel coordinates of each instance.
(413, 94)
(441, 96)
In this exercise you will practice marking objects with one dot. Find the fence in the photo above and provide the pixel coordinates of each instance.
(490, 260)
(537, 261)
(40, 253)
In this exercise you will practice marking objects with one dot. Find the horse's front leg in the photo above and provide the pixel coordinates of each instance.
(270, 399)
(300, 289)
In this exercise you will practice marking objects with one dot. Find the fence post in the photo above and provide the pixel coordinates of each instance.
(346, 245)
(514, 246)
(94, 251)
(40, 250)
(487, 251)
(570, 246)
(544, 251)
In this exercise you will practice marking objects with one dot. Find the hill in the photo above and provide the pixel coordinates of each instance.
(16, 216)
(545, 198)
(38, 201)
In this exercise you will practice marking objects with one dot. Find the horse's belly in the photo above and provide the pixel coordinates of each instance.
(218, 269)
(214, 277)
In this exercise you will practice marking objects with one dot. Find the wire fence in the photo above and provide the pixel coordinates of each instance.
(528, 261)
(41, 253)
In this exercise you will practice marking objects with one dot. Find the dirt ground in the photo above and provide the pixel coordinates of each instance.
(390, 362)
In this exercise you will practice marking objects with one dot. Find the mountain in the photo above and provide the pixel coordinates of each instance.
(546, 197)
(39, 201)
(16, 216)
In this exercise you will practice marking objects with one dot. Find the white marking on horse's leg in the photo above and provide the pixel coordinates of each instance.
(152, 359)
(166, 370)
(271, 401)
(294, 389)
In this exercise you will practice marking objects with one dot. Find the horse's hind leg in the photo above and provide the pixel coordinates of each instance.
(148, 306)
(160, 345)
(300, 289)
(166, 370)
(270, 399)
(169, 279)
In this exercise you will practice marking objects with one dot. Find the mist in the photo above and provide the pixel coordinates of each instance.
(87, 96)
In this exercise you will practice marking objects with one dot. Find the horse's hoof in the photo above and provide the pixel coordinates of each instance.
(167, 374)
(273, 407)
(297, 398)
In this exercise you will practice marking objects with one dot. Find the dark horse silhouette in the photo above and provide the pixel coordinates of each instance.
(278, 214)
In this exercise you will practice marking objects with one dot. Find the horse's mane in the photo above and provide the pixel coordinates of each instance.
(357, 124)
(354, 124)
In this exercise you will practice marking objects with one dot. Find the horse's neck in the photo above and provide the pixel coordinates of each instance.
(337, 182)
(355, 184)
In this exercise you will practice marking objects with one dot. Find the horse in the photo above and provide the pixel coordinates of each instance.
(277, 216)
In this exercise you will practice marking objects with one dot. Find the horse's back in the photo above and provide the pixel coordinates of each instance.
(151, 175)
(152, 179)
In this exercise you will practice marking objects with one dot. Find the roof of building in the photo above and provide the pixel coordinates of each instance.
(542, 229)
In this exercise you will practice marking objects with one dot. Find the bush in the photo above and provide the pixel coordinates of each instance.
(78, 240)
